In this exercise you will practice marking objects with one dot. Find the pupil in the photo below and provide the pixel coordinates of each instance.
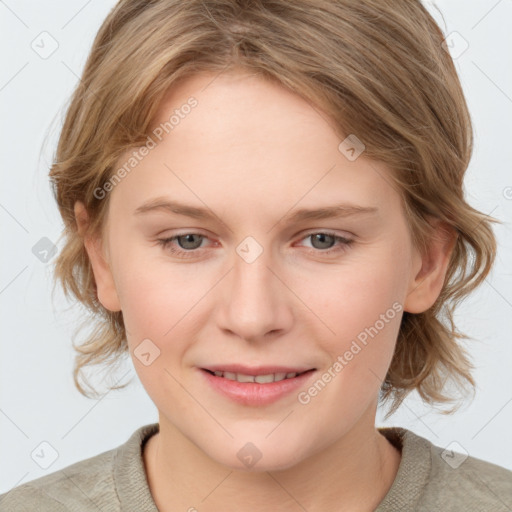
(189, 240)
(321, 237)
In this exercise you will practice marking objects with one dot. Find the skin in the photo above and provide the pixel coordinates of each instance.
(253, 152)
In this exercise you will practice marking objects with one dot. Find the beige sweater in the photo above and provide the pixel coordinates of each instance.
(115, 480)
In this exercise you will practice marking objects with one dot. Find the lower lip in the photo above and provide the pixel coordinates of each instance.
(254, 393)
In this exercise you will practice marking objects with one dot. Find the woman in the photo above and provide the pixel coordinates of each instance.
(263, 204)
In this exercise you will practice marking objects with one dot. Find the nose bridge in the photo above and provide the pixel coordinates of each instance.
(256, 302)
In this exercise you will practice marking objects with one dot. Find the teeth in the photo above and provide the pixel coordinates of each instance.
(244, 378)
(265, 379)
(260, 379)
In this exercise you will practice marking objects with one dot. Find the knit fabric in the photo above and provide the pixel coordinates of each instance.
(428, 479)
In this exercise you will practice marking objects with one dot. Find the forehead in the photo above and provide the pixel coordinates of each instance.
(235, 95)
(243, 116)
(255, 142)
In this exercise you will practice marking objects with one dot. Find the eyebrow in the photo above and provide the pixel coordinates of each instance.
(324, 212)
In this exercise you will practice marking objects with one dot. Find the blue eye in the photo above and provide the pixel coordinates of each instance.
(188, 243)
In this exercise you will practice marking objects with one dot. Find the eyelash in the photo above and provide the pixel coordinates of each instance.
(166, 244)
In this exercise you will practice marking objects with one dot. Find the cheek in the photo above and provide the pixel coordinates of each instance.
(355, 296)
(155, 315)
(361, 304)
(160, 303)
(360, 352)
(153, 293)
(149, 305)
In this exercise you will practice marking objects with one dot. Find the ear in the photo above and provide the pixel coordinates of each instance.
(105, 285)
(430, 269)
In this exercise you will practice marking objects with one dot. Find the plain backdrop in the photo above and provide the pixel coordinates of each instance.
(38, 401)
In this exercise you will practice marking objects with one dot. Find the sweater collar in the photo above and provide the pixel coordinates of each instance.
(412, 476)
(413, 471)
(130, 475)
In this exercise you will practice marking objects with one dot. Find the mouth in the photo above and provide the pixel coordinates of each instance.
(257, 376)
(256, 387)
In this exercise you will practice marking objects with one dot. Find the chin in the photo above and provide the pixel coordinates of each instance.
(255, 457)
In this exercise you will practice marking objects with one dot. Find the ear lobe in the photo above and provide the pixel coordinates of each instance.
(105, 285)
(428, 282)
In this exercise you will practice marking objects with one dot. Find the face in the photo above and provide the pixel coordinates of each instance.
(241, 278)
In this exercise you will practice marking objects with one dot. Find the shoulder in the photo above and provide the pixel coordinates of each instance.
(114, 480)
(84, 485)
(457, 478)
(433, 478)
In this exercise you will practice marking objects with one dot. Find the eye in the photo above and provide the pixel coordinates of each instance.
(187, 243)
(325, 242)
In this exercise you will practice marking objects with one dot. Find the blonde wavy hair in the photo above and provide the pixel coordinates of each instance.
(376, 66)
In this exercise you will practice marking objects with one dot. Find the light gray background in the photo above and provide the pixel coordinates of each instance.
(38, 401)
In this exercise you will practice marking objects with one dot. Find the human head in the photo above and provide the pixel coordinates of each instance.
(404, 102)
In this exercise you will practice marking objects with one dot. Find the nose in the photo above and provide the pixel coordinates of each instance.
(256, 304)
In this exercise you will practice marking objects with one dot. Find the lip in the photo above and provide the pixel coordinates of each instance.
(254, 393)
(256, 370)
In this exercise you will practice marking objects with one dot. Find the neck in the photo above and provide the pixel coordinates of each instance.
(353, 474)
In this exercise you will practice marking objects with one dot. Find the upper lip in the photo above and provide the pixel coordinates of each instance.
(256, 370)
